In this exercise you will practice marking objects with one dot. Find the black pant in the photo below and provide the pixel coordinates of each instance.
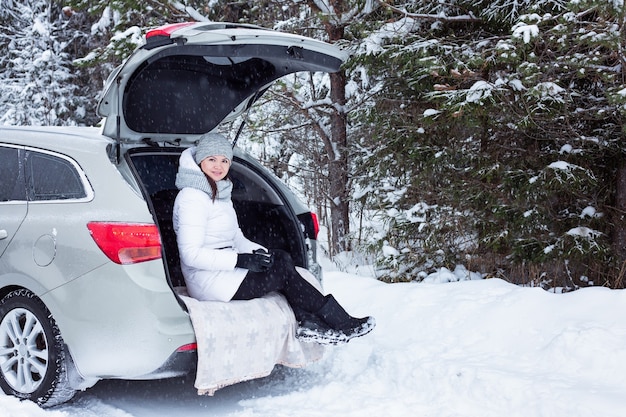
(282, 277)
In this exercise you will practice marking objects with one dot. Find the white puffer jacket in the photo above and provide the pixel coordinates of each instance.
(209, 239)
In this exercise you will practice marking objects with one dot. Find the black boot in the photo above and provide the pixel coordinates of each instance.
(313, 329)
(343, 326)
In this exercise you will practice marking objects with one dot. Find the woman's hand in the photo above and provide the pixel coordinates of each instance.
(259, 261)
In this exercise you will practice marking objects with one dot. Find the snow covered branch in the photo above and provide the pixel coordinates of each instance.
(462, 18)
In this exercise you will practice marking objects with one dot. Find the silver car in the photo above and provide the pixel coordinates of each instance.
(88, 257)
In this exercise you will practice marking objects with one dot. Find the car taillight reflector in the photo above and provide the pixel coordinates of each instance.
(188, 348)
(127, 243)
(167, 30)
(316, 224)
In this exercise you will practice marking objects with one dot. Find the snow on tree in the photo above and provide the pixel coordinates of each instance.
(37, 80)
(475, 114)
(487, 133)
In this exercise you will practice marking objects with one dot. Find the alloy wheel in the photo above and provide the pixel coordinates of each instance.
(24, 350)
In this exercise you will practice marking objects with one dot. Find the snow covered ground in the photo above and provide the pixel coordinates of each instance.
(476, 348)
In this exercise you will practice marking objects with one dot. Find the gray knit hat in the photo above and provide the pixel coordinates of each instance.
(212, 144)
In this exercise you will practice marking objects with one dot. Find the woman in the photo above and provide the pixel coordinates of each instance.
(219, 263)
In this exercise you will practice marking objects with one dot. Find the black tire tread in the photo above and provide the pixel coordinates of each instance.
(59, 390)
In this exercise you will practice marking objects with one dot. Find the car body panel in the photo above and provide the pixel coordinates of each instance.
(13, 214)
(13, 196)
(135, 315)
(127, 332)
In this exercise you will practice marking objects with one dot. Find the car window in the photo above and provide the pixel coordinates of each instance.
(12, 186)
(53, 178)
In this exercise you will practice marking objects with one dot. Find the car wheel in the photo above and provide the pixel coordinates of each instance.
(32, 353)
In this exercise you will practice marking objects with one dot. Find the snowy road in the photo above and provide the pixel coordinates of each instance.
(481, 348)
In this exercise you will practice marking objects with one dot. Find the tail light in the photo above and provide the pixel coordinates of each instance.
(188, 348)
(127, 243)
(165, 32)
(316, 225)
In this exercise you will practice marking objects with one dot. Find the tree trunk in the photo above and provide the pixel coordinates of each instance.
(619, 222)
(338, 167)
(337, 148)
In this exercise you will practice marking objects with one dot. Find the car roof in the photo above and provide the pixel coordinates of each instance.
(66, 140)
(77, 142)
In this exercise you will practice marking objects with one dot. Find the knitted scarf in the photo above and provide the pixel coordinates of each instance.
(195, 179)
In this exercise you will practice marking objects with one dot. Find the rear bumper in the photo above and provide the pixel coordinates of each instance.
(178, 364)
(123, 322)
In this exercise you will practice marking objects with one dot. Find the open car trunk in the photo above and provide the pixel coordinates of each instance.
(189, 78)
(263, 216)
(185, 81)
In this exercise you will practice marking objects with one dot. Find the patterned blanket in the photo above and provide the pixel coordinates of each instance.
(243, 340)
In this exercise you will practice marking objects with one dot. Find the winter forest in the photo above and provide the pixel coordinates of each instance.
(487, 133)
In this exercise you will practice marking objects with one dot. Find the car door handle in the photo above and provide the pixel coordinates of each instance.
(3, 234)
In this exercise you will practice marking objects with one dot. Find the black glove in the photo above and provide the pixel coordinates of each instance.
(259, 261)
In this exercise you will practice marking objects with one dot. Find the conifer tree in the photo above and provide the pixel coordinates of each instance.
(504, 141)
(37, 81)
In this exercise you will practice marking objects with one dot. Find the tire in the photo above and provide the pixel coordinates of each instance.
(33, 362)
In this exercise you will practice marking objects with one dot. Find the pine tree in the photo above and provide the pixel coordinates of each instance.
(37, 81)
(502, 132)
